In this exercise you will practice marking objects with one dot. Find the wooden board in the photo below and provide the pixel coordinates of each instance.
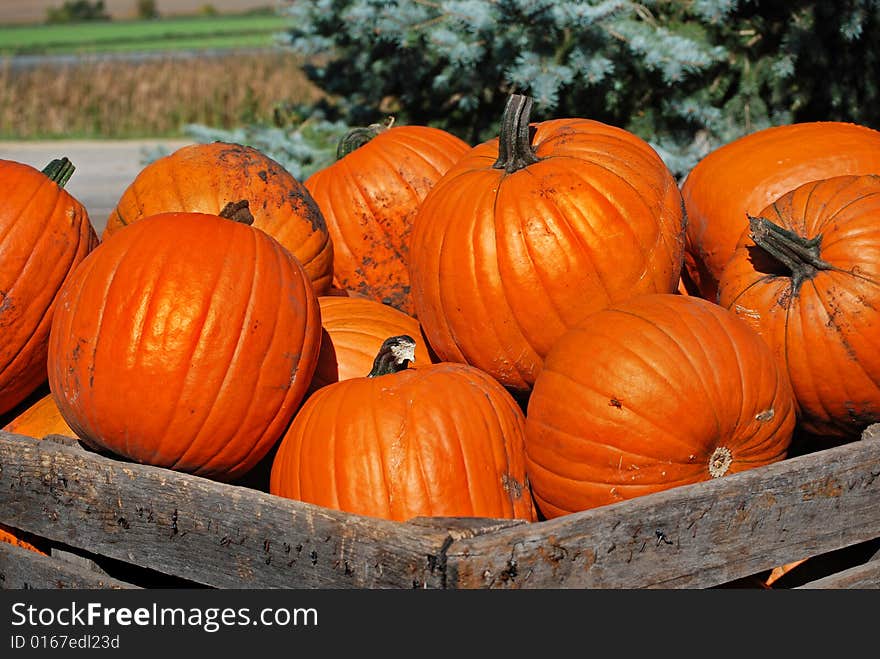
(227, 536)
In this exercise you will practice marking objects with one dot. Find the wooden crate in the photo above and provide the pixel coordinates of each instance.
(115, 524)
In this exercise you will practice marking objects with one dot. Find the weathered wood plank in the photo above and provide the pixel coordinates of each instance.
(21, 568)
(694, 536)
(865, 576)
(210, 533)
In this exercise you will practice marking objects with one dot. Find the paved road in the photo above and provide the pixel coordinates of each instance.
(103, 168)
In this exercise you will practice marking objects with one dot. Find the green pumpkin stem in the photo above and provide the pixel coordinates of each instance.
(394, 355)
(59, 170)
(515, 150)
(798, 254)
(238, 211)
(357, 137)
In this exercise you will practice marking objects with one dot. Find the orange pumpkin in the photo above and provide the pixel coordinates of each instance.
(658, 391)
(186, 341)
(45, 233)
(369, 197)
(806, 276)
(353, 330)
(528, 233)
(207, 178)
(441, 440)
(40, 419)
(742, 177)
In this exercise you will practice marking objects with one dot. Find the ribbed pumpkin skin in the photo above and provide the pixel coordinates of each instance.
(745, 175)
(44, 234)
(40, 419)
(369, 198)
(443, 440)
(203, 178)
(502, 264)
(186, 341)
(641, 397)
(826, 335)
(353, 330)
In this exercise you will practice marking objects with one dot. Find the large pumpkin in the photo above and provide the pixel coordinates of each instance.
(369, 197)
(44, 234)
(528, 233)
(742, 177)
(658, 391)
(442, 440)
(186, 341)
(208, 178)
(353, 330)
(806, 276)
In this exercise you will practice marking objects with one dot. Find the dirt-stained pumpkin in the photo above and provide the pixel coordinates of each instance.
(806, 276)
(742, 177)
(369, 197)
(208, 178)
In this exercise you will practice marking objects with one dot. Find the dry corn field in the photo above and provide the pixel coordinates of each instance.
(113, 98)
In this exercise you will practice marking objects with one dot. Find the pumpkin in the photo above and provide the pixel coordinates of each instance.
(369, 197)
(40, 419)
(742, 177)
(45, 233)
(529, 232)
(442, 440)
(353, 330)
(209, 178)
(658, 391)
(806, 277)
(186, 341)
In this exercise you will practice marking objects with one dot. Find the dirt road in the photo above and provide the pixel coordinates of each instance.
(103, 168)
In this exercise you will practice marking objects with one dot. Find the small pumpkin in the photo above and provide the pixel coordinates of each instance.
(742, 177)
(442, 440)
(536, 229)
(806, 277)
(353, 330)
(210, 178)
(369, 197)
(186, 341)
(45, 233)
(658, 391)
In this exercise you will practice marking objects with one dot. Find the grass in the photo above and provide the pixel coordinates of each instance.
(107, 98)
(165, 34)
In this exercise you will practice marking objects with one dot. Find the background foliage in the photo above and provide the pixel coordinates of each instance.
(686, 76)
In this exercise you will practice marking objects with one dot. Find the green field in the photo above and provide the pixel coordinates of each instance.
(163, 34)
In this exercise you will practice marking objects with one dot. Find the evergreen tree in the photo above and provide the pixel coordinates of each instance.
(685, 76)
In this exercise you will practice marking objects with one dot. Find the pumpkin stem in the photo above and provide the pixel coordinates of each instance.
(515, 150)
(238, 211)
(800, 255)
(59, 170)
(357, 137)
(394, 355)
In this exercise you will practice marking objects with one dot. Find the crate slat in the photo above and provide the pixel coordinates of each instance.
(21, 568)
(694, 536)
(227, 536)
(210, 533)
